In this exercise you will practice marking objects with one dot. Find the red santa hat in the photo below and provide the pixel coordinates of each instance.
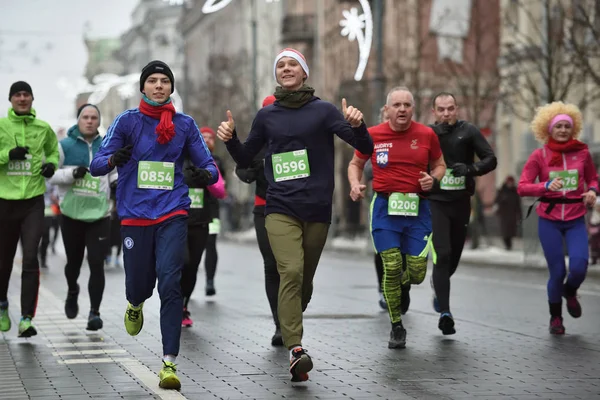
(293, 53)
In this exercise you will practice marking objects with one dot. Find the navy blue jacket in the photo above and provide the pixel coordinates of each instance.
(133, 127)
(311, 127)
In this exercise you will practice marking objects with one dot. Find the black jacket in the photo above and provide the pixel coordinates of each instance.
(460, 144)
(256, 173)
(199, 216)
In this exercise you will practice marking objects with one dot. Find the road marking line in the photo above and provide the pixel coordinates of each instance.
(81, 344)
(88, 352)
(135, 367)
(89, 360)
(150, 379)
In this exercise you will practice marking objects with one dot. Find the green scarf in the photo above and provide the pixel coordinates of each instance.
(294, 98)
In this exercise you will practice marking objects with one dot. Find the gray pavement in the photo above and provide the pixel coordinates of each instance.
(502, 349)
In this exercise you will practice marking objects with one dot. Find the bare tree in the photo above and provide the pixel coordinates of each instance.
(547, 60)
(584, 39)
(227, 87)
(476, 80)
(414, 69)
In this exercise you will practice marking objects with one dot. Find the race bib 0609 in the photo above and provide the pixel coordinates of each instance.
(450, 182)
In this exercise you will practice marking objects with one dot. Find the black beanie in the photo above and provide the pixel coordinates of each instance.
(156, 67)
(80, 109)
(19, 86)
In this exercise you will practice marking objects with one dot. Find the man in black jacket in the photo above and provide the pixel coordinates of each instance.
(450, 202)
(256, 173)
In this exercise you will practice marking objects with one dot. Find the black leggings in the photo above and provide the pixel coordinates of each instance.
(379, 270)
(271, 274)
(49, 223)
(211, 258)
(21, 219)
(77, 236)
(196, 243)
(115, 236)
(449, 221)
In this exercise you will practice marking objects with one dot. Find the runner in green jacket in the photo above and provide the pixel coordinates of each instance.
(28, 154)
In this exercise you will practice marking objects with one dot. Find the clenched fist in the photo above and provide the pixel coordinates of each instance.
(357, 192)
(426, 181)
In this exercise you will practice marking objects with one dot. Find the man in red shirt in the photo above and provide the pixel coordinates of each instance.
(403, 154)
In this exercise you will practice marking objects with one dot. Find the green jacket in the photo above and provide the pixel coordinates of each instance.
(20, 180)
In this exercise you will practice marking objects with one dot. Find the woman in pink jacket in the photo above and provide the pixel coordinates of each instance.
(564, 169)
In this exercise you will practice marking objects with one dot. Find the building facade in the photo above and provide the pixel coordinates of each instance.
(427, 45)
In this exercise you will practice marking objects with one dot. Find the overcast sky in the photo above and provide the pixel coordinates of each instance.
(41, 41)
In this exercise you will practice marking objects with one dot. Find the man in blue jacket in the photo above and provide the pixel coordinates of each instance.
(148, 144)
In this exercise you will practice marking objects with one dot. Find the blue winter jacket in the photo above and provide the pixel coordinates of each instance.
(134, 128)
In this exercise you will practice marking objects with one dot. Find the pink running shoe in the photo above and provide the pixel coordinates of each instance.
(186, 320)
(556, 326)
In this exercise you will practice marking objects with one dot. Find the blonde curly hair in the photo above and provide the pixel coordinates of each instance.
(544, 115)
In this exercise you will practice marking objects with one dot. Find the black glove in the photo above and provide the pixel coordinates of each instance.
(113, 185)
(199, 176)
(47, 170)
(443, 128)
(121, 156)
(80, 172)
(18, 153)
(257, 164)
(460, 169)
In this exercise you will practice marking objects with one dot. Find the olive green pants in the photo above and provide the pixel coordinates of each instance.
(297, 247)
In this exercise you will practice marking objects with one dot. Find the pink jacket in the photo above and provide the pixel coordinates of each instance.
(218, 188)
(537, 167)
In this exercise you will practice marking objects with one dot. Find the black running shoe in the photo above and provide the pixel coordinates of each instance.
(300, 365)
(397, 337)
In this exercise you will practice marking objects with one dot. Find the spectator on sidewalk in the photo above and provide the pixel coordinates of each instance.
(594, 233)
(508, 211)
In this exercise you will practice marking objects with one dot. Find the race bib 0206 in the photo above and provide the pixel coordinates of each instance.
(406, 204)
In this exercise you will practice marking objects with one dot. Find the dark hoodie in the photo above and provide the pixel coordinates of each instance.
(256, 173)
(460, 143)
(311, 127)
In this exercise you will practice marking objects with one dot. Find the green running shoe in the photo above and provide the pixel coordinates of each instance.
(134, 319)
(168, 376)
(25, 328)
(4, 319)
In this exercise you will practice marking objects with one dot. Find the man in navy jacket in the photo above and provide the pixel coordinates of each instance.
(148, 145)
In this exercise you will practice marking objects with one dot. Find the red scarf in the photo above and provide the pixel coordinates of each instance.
(165, 129)
(558, 148)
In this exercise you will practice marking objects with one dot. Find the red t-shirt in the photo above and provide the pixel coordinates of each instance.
(399, 157)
